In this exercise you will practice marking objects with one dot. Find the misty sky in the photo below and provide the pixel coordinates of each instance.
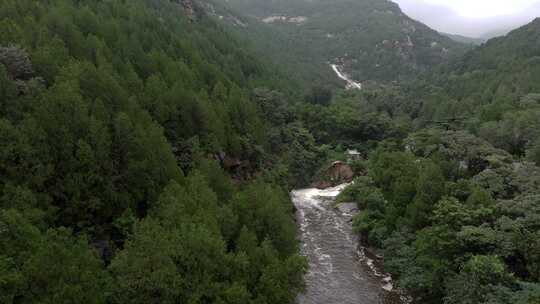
(474, 18)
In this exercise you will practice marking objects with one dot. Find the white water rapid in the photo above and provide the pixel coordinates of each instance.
(339, 272)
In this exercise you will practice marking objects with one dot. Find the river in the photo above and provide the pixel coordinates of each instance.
(339, 272)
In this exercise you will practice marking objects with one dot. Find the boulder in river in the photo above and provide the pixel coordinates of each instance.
(337, 173)
(348, 208)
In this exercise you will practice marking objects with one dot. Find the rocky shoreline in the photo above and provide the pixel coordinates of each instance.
(337, 173)
(374, 260)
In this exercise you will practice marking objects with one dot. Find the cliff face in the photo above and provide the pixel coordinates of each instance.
(188, 7)
(17, 62)
(336, 174)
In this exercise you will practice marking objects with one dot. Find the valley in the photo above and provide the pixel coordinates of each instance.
(149, 152)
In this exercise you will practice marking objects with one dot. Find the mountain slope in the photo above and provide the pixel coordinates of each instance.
(492, 90)
(372, 39)
(122, 124)
(503, 68)
(445, 194)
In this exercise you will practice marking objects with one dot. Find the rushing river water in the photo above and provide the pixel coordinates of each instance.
(339, 272)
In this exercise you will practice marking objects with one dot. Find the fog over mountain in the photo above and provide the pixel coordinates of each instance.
(445, 19)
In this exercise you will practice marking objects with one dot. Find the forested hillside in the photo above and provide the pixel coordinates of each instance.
(371, 39)
(491, 91)
(147, 148)
(135, 163)
(453, 199)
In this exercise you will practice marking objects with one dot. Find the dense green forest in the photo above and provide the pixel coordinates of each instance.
(147, 148)
(136, 163)
(450, 190)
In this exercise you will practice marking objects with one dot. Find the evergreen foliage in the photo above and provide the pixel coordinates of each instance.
(117, 119)
(146, 152)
